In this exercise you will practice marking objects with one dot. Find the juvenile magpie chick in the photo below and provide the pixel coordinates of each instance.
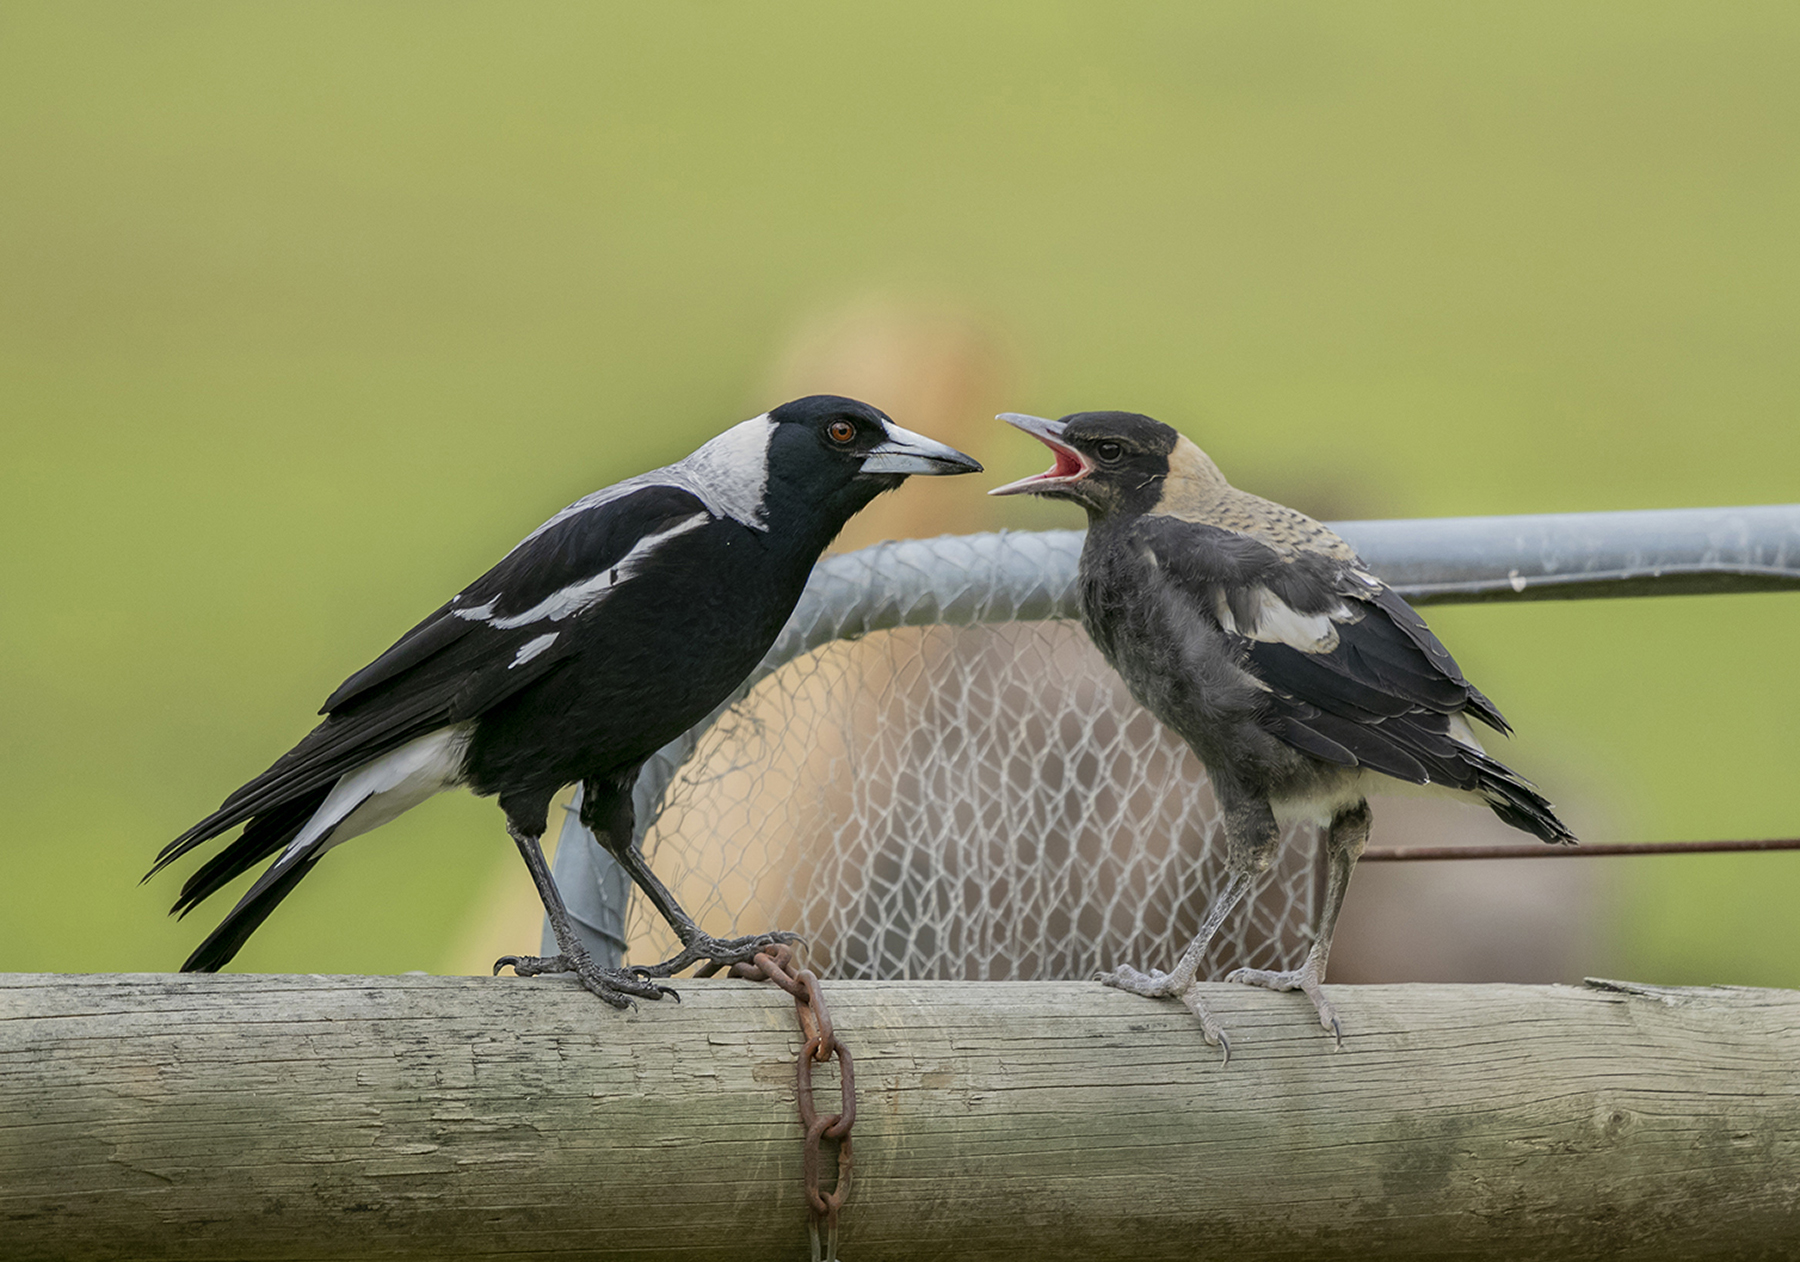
(1261, 639)
(613, 628)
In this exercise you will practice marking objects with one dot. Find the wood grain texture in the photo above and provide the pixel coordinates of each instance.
(151, 1117)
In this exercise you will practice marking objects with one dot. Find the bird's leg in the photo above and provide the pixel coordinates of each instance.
(1349, 834)
(697, 945)
(1252, 839)
(1178, 982)
(606, 810)
(617, 987)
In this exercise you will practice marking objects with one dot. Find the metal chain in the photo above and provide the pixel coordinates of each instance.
(820, 1043)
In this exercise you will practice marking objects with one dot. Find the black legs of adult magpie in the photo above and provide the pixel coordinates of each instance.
(618, 986)
(1252, 839)
(607, 811)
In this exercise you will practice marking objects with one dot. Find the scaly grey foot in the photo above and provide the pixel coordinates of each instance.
(1157, 984)
(1304, 979)
(717, 953)
(617, 986)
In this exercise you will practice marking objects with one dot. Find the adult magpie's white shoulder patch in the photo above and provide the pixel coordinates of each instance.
(729, 475)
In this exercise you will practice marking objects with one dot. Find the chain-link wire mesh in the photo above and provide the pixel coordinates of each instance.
(977, 802)
(934, 775)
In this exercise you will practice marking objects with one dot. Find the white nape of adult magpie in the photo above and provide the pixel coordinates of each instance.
(613, 628)
(1262, 640)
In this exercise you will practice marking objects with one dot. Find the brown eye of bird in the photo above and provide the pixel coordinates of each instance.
(1108, 451)
(841, 431)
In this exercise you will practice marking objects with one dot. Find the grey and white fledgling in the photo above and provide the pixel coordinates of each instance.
(1265, 643)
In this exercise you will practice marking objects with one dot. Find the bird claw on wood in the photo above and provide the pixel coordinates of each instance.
(618, 987)
(717, 953)
(1157, 984)
(1304, 979)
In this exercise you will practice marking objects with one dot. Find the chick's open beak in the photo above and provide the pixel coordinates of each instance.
(907, 452)
(1070, 466)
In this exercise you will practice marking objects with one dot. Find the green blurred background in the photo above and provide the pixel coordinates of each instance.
(308, 312)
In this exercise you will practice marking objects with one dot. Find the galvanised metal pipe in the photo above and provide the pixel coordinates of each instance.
(1571, 556)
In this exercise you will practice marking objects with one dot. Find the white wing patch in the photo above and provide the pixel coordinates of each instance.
(385, 788)
(1463, 734)
(570, 600)
(1277, 622)
(531, 648)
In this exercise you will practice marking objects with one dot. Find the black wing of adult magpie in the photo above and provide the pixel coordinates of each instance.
(613, 628)
(1264, 642)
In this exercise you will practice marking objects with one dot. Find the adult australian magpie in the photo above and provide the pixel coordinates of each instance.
(613, 628)
(1261, 639)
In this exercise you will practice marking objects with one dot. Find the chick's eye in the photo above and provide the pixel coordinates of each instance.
(1108, 450)
(841, 431)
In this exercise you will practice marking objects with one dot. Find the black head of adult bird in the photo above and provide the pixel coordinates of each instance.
(1260, 638)
(613, 628)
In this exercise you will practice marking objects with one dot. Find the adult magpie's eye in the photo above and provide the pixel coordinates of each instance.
(1108, 451)
(841, 431)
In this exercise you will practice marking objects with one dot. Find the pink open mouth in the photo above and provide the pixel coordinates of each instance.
(1070, 465)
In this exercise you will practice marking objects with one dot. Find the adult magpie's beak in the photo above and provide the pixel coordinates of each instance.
(1070, 466)
(907, 452)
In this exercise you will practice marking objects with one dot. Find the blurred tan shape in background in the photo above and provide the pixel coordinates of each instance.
(937, 369)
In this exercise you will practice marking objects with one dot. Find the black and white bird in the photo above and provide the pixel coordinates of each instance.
(613, 628)
(1265, 643)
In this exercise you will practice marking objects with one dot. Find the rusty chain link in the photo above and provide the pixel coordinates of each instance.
(820, 1044)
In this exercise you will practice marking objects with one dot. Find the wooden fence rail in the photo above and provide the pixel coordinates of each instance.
(150, 1117)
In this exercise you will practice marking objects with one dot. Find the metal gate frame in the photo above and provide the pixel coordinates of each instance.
(1012, 576)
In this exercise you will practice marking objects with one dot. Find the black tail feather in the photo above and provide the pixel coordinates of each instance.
(254, 908)
(261, 837)
(1517, 801)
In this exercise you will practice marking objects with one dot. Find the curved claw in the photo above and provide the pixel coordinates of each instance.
(533, 965)
(1210, 1029)
(1306, 980)
(1160, 985)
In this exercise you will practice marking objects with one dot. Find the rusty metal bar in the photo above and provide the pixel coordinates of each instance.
(1537, 850)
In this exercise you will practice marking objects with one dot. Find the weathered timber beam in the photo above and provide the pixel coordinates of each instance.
(151, 1117)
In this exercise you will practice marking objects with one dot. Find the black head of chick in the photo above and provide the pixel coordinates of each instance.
(611, 629)
(1107, 462)
(1260, 638)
